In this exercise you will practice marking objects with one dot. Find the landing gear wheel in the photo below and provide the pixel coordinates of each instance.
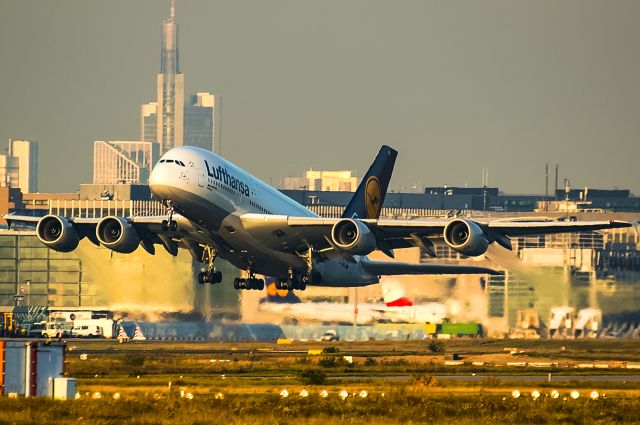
(203, 277)
(169, 225)
(236, 283)
(212, 277)
(216, 277)
(257, 284)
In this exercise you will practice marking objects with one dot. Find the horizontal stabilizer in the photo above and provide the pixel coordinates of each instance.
(388, 268)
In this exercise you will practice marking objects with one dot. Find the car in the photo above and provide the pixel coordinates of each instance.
(330, 335)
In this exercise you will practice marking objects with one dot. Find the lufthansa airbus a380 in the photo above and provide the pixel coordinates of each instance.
(217, 209)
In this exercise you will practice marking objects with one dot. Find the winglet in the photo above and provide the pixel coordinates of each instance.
(634, 223)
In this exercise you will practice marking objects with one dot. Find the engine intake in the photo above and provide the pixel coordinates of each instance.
(466, 237)
(353, 236)
(117, 234)
(57, 233)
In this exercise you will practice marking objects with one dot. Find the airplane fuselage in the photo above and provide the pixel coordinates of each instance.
(213, 193)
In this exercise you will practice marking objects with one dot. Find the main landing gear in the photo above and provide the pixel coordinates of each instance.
(250, 283)
(295, 281)
(211, 275)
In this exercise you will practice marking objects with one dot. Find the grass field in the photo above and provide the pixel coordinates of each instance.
(395, 407)
(400, 379)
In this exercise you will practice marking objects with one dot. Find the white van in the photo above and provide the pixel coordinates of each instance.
(93, 328)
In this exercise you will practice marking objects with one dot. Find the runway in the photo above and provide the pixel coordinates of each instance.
(510, 378)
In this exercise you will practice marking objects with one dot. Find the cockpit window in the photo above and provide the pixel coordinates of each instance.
(167, 161)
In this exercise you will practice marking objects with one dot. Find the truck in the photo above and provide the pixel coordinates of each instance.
(56, 328)
(471, 329)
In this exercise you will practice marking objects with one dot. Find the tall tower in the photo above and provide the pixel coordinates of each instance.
(170, 88)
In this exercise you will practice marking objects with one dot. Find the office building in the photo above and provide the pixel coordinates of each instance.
(149, 122)
(328, 181)
(123, 162)
(9, 174)
(26, 153)
(200, 121)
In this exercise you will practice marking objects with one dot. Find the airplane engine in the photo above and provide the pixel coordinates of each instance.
(353, 236)
(466, 237)
(117, 234)
(57, 233)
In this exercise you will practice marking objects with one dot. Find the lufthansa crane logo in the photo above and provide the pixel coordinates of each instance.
(373, 197)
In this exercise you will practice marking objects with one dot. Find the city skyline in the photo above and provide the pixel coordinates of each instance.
(453, 87)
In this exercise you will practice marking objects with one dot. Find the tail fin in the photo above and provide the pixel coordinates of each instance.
(369, 197)
(394, 294)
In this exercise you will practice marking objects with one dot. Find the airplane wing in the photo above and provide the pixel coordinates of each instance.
(389, 268)
(290, 233)
(149, 228)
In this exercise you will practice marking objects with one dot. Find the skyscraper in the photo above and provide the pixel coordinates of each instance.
(26, 154)
(170, 121)
(199, 121)
(169, 88)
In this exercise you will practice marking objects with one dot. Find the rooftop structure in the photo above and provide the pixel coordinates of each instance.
(123, 162)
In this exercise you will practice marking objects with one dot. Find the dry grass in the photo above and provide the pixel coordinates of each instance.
(396, 407)
(252, 380)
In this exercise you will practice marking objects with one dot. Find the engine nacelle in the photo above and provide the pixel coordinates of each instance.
(353, 236)
(117, 234)
(57, 233)
(466, 237)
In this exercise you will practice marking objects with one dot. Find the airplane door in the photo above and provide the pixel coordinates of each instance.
(201, 177)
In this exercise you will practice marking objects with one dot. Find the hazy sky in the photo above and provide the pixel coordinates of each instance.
(453, 85)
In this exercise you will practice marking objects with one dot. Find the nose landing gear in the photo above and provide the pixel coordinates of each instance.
(170, 224)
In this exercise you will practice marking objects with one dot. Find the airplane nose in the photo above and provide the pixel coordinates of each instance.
(158, 182)
(154, 176)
